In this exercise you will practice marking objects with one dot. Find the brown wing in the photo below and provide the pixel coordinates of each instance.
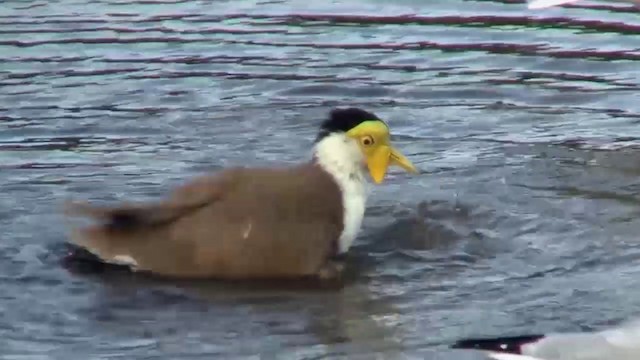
(242, 223)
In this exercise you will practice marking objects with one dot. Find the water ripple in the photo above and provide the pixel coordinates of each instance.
(523, 125)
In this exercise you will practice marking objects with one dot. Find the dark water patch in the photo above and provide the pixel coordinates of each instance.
(242, 76)
(336, 90)
(125, 30)
(489, 47)
(114, 40)
(624, 8)
(41, 144)
(429, 227)
(48, 20)
(192, 60)
(472, 21)
(71, 73)
(45, 60)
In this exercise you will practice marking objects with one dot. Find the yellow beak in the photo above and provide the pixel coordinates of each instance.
(382, 157)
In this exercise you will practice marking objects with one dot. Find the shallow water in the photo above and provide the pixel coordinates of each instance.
(524, 125)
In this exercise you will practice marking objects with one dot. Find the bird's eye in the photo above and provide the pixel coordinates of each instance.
(367, 141)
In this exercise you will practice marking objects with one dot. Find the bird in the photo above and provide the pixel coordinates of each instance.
(542, 4)
(288, 221)
(621, 343)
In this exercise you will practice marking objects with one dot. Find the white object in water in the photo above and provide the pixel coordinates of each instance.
(543, 4)
(622, 343)
(504, 356)
(619, 343)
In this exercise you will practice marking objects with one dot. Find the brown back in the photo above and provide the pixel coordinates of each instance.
(239, 223)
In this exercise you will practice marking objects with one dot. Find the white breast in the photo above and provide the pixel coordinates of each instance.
(341, 157)
(354, 198)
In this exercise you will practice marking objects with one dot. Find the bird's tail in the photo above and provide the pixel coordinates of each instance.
(123, 232)
(131, 217)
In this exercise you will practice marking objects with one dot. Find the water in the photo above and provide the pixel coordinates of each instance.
(524, 125)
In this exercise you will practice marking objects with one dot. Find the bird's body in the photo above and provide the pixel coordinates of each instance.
(252, 223)
(229, 225)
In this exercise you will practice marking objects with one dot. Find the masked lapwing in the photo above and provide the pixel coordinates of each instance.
(253, 223)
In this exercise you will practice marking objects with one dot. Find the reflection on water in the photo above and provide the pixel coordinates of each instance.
(523, 124)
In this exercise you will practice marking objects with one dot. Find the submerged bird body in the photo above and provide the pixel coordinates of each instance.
(253, 223)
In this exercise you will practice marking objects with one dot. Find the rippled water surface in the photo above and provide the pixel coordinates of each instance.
(524, 124)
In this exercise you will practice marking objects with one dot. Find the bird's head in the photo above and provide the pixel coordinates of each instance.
(360, 136)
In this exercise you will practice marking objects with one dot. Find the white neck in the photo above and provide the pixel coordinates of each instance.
(341, 157)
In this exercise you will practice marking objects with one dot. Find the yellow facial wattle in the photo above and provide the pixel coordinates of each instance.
(373, 139)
